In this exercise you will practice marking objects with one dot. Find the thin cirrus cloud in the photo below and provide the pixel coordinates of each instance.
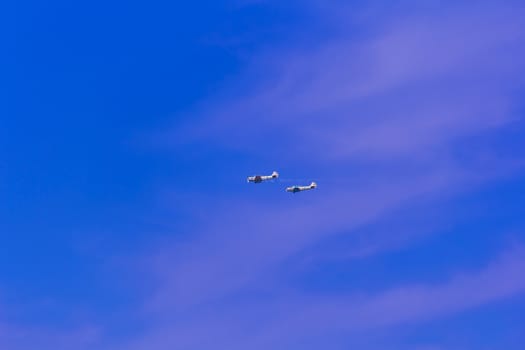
(411, 88)
(415, 84)
(426, 64)
(498, 280)
(229, 254)
(410, 303)
(294, 318)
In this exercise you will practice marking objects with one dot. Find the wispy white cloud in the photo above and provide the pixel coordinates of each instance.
(399, 96)
(293, 318)
(416, 83)
(499, 280)
(411, 87)
(246, 241)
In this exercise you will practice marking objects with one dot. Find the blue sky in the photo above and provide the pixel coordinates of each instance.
(128, 129)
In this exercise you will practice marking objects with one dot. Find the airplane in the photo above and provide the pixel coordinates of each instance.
(260, 178)
(295, 189)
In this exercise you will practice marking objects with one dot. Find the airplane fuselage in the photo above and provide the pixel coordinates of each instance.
(260, 178)
(295, 189)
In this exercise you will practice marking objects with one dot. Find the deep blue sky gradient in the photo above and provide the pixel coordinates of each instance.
(98, 183)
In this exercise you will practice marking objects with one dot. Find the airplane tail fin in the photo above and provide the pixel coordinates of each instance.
(313, 185)
(275, 174)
